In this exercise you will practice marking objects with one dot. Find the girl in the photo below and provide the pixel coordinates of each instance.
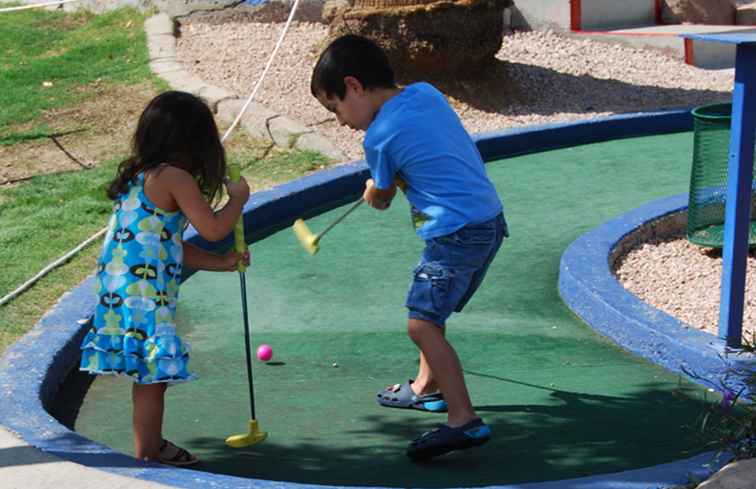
(175, 172)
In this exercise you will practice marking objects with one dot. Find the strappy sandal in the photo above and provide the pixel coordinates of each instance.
(402, 396)
(179, 457)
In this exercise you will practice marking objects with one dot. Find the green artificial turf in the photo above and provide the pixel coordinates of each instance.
(562, 401)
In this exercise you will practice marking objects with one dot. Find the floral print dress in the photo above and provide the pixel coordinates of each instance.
(133, 330)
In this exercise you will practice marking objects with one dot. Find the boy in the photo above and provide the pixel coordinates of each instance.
(413, 138)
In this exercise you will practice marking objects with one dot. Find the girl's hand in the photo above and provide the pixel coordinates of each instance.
(238, 190)
(232, 258)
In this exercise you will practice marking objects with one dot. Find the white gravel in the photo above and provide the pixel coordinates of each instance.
(544, 78)
(683, 280)
(541, 77)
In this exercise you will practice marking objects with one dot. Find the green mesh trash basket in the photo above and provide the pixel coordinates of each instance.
(708, 177)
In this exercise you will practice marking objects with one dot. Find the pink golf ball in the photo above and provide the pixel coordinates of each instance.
(264, 353)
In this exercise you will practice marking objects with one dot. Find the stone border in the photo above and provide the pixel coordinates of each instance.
(259, 121)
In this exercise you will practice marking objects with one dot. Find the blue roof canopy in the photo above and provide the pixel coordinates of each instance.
(743, 37)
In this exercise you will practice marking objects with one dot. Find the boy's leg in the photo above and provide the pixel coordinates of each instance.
(425, 381)
(446, 369)
(463, 429)
(147, 420)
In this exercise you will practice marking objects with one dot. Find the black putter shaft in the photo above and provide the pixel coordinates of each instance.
(243, 282)
(340, 218)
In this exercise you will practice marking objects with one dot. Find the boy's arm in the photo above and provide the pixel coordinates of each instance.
(379, 198)
(198, 259)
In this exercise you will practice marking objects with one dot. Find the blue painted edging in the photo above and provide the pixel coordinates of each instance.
(32, 369)
(532, 139)
(588, 286)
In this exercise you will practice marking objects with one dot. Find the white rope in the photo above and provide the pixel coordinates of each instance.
(36, 5)
(82, 245)
(51, 267)
(265, 71)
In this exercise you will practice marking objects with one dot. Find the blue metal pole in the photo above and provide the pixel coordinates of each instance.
(738, 202)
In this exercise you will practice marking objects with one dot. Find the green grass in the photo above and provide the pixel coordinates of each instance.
(47, 59)
(47, 216)
(263, 166)
(43, 218)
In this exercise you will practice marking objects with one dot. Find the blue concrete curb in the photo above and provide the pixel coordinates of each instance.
(588, 287)
(32, 369)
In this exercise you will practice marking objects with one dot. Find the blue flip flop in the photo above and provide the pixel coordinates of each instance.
(445, 439)
(402, 396)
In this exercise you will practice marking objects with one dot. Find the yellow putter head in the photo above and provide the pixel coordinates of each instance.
(254, 435)
(307, 238)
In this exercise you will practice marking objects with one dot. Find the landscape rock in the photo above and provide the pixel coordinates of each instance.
(432, 37)
(746, 14)
(717, 12)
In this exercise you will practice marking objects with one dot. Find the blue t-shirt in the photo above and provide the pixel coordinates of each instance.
(418, 136)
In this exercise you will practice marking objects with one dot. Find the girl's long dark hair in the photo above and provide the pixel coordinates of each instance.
(178, 129)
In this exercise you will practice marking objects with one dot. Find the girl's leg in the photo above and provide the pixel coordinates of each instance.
(446, 368)
(147, 419)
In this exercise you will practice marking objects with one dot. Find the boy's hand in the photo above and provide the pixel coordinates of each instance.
(401, 184)
(377, 198)
(232, 258)
(238, 190)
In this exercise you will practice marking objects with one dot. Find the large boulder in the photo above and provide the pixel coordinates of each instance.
(720, 12)
(430, 38)
(746, 14)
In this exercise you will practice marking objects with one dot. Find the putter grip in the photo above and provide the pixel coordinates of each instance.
(240, 246)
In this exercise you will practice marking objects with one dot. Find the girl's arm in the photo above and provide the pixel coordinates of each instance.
(198, 259)
(212, 226)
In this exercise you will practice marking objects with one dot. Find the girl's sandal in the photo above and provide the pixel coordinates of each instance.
(170, 454)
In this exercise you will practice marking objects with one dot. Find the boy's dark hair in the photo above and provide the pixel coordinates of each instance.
(351, 55)
(178, 129)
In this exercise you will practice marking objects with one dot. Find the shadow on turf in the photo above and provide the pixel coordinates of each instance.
(574, 435)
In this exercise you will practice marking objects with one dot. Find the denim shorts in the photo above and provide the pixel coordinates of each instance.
(452, 268)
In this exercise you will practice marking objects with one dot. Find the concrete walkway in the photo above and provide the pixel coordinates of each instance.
(737, 475)
(668, 38)
(25, 467)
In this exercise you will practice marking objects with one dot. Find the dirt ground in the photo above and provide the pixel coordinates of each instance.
(89, 133)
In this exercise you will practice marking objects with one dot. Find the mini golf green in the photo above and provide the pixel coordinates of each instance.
(562, 401)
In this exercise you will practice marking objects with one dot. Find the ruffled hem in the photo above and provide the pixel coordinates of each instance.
(150, 349)
(153, 360)
(136, 380)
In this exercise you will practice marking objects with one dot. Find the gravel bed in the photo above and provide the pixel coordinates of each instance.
(683, 280)
(538, 77)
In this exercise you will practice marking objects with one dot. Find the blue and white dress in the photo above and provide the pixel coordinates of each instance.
(133, 330)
